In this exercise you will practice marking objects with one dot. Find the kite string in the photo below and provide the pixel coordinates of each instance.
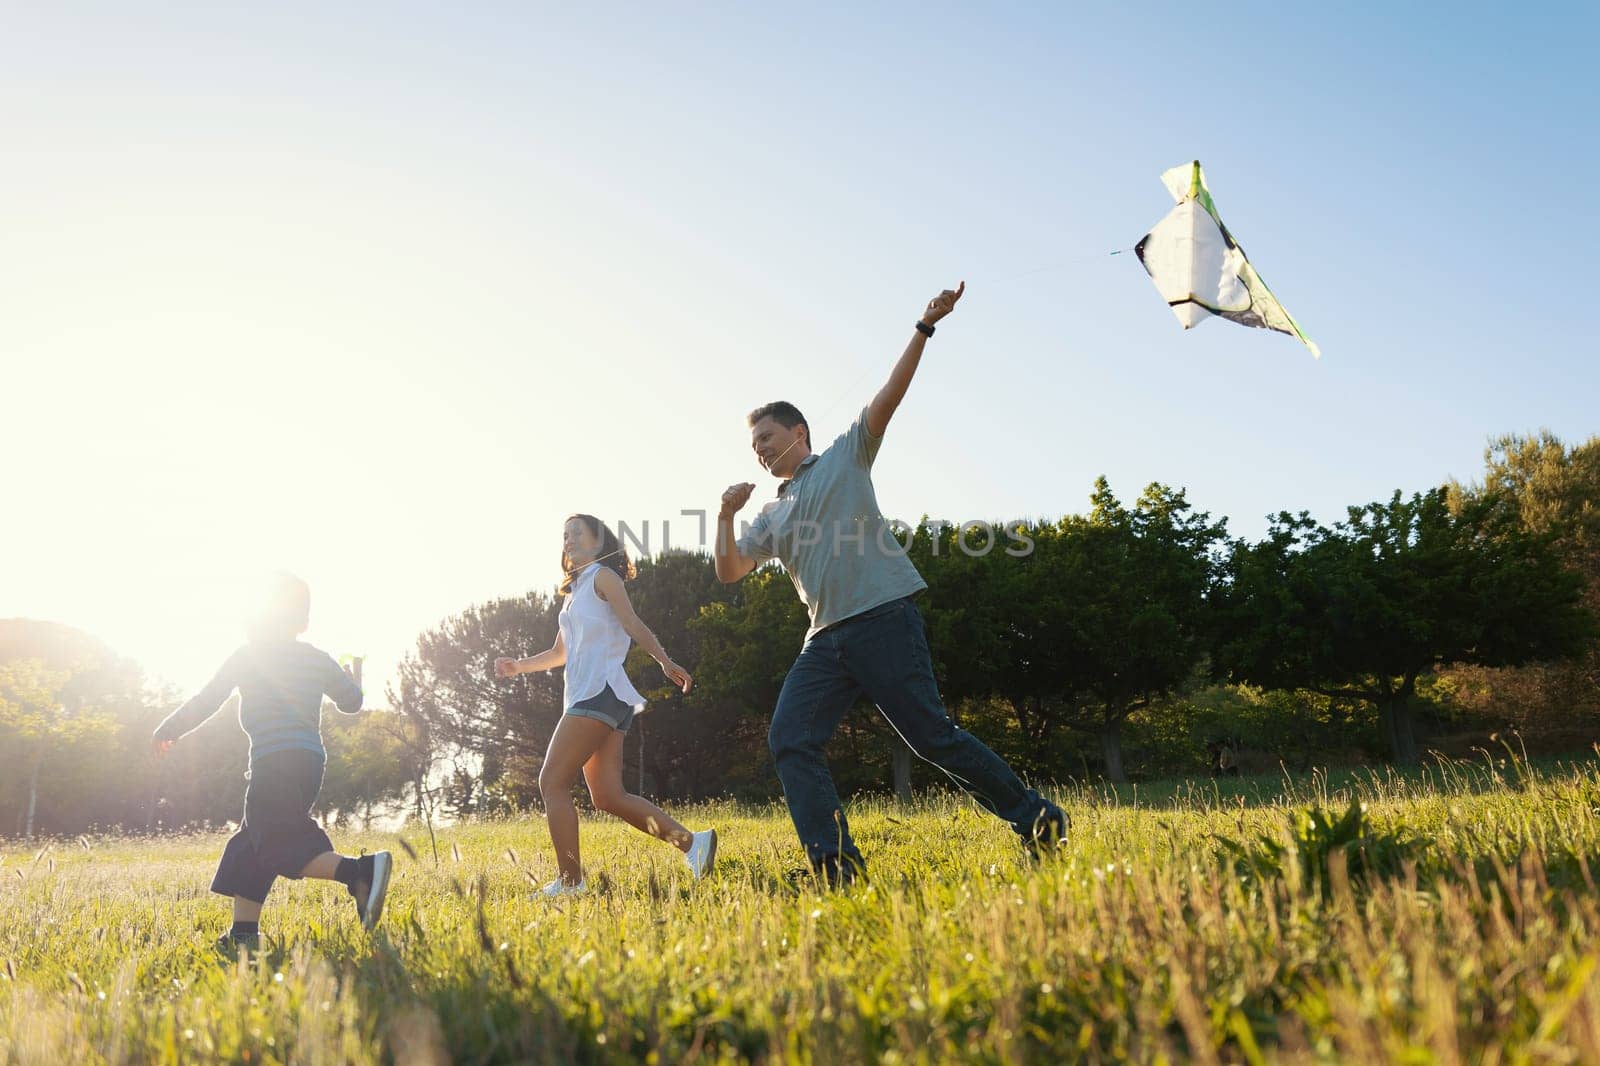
(849, 387)
(1058, 266)
(833, 404)
(998, 281)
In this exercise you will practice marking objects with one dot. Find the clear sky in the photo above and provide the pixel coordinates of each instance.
(380, 293)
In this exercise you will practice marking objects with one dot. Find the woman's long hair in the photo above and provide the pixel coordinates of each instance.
(611, 553)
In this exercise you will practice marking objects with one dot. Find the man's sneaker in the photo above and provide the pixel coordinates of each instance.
(1049, 831)
(702, 853)
(836, 871)
(231, 945)
(559, 887)
(373, 887)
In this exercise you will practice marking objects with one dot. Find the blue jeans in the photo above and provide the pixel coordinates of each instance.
(881, 653)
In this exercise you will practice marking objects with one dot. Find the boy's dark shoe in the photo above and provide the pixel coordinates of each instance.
(371, 888)
(230, 945)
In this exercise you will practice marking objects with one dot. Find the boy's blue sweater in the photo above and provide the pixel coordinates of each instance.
(281, 684)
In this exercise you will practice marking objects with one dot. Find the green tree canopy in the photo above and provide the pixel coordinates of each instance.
(1361, 610)
(1076, 623)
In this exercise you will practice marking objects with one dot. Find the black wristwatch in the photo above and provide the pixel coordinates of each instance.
(924, 329)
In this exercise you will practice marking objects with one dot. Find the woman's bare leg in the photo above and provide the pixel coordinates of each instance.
(603, 774)
(575, 741)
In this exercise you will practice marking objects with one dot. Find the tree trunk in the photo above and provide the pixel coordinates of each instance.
(1023, 712)
(902, 774)
(1111, 751)
(1394, 716)
(33, 793)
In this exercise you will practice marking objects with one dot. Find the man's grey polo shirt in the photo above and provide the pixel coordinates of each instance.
(827, 531)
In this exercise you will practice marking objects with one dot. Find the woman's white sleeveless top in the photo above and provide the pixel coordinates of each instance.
(596, 645)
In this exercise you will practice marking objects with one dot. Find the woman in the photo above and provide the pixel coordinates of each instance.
(596, 626)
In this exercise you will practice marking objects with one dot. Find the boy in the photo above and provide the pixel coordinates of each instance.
(281, 682)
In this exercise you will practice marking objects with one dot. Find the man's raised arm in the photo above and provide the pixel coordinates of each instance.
(883, 405)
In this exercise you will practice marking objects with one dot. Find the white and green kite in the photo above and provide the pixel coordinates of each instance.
(1199, 268)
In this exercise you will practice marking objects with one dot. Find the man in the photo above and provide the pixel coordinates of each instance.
(866, 635)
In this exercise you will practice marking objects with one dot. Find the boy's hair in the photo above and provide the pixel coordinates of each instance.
(782, 412)
(610, 554)
(283, 609)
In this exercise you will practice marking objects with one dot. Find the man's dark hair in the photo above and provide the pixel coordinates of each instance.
(782, 412)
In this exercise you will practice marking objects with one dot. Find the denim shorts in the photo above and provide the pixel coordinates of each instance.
(605, 707)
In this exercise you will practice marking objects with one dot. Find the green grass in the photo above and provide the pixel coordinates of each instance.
(1472, 938)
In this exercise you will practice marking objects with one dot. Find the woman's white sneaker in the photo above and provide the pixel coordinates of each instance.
(558, 887)
(702, 853)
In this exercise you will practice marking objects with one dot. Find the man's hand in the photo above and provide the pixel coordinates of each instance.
(160, 747)
(504, 667)
(943, 304)
(736, 497)
(730, 563)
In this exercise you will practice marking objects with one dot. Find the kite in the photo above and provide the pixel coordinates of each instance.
(1199, 268)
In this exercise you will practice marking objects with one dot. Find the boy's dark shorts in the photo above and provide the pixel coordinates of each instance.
(278, 836)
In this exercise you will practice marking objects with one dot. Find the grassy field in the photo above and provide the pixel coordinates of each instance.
(1455, 919)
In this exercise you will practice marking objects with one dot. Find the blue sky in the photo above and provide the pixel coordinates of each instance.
(381, 294)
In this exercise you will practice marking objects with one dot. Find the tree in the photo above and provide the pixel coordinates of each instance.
(1556, 491)
(62, 693)
(746, 646)
(1133, 584)
(1099, 616)
(1361, 610)
(411, 733)
(39, 720)
(449, 684)
(370, 762)
(669, 593)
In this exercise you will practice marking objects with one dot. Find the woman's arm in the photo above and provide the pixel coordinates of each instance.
(545, 660)
(608, 586)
